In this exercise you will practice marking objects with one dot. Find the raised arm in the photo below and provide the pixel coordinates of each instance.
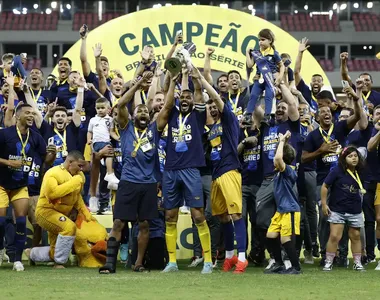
(163, 116)
(178, 40)
(352, 120)
(8, 116)
(279, 163)
(280, 76)
(357, 99)
(153, 87)
(38, 118)
(101, 78)
(198, 94)
(212, 93)
(344, 68)
(86, 68)
(207, 66)
(288, 97)
(185, 78)
(303, 46)
(123, 115)
(79, 102)
(374, 141)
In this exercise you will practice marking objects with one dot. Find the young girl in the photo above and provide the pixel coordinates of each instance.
(270, 66)
(345, 204)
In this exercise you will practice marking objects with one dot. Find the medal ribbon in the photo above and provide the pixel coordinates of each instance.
(138, 138)
(327, 138)
(143, 96)
(234, 103)
(23, 144)
(366, 97)
(35, 98)
(63, 139)
(182, 123)
(357, 179)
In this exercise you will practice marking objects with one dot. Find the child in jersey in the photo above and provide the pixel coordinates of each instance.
(286, 221)
(270, 66)
(100, 130)
(343, 206)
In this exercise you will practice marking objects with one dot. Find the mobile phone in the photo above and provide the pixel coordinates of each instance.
(287, 63)
(345, 84)
(179, 32)
(51, 141)
(85, 30)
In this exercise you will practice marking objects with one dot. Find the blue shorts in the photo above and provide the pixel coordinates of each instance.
(182, 185)
(99, 146)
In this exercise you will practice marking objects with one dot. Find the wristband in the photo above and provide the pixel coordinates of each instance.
(81, 89)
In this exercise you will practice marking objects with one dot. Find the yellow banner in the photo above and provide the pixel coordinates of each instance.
(229, 31)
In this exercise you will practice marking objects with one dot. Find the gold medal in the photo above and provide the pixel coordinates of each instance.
(64, 153)
(134, 153)
(363, 191)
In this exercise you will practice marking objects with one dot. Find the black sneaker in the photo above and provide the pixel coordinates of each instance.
(322, 261)
(275, 268)
(257, 258)
(290, 271)
(342, 262)
(266, 120)
(102, 209)
(358, 267)
(315, 250)
(247, 120)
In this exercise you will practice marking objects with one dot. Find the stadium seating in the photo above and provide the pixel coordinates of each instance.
(366, 22)
(303, 22)
(33, 63)
(92, 19)
(371, 65)
(326, 64)
(30, 21)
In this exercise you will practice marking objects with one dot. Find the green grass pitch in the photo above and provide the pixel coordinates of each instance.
(73, 283)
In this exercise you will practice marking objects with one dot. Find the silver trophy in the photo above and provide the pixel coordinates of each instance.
(181, 56)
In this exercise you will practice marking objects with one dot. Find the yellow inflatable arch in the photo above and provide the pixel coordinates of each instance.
(229, 31)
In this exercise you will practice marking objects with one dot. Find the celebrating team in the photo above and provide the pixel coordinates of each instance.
(219, 150)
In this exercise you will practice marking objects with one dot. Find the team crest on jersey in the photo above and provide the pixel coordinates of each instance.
(150, 134)
(62, 219)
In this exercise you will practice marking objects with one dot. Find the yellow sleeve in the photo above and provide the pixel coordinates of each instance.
(81, 208)
(53, 190)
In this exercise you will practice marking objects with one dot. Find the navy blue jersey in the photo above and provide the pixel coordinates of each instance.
(284, 195)
(184, 148)
(224, 140)
(139, 166)
(11, 148)
(345, 194)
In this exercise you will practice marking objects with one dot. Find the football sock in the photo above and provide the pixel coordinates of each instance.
(228, 232)
(241, 238)
(292, 254)
(171, 240)
(330, 256)
(357, 258)
(274, 247)
(204, 236)
(2, 231)
(20, 237)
